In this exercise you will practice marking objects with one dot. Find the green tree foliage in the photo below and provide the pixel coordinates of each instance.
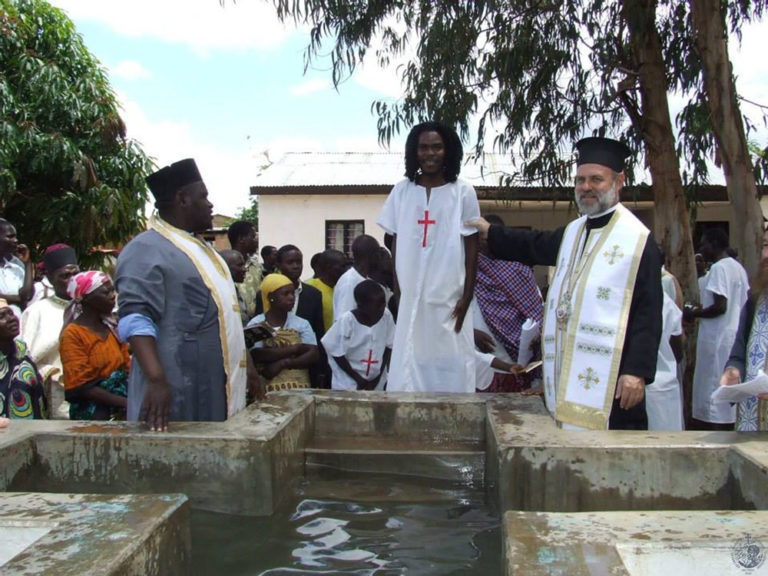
(542, 73)
(250, 213)
(67, 171)
(538, 75)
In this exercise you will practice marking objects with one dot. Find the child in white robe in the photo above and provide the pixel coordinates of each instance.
(359, 343)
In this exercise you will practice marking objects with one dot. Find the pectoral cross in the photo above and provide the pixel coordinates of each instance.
(426, 222)
(369, 361)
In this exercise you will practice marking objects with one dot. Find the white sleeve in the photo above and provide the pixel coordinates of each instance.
(470, 208)
(333, 341)
(673, 317)
(388, 215)
(390, 323)
(717, 280)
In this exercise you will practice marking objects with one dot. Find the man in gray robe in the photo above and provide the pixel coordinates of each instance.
(169, 313)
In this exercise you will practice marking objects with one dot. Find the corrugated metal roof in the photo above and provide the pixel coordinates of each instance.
(309, 169)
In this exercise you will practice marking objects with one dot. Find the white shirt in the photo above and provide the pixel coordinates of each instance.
(362, 346)
(12, 273)
(344, 292)
(43, 289)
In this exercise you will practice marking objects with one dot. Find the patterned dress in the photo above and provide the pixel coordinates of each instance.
(21, 387)
(296, 330)
(753, 412)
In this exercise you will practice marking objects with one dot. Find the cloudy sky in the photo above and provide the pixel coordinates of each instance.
(225, 84)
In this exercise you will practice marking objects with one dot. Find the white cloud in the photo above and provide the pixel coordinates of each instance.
(228, 174)
(750, 67)
(385, 80)
(368, 144)
(130, 70)
(201, 24)
(310, 87)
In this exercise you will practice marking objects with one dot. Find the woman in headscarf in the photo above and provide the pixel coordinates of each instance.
(95, 362)
(284, 358)
(21, 387)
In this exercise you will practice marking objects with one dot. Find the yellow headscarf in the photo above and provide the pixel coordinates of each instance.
(271, 283)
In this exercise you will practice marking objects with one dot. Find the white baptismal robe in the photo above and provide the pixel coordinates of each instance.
(428, 355)
(362, 346)
(726, 277)
(664, 399)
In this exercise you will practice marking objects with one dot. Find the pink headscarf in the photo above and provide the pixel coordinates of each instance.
(80, 285)
(85, 283)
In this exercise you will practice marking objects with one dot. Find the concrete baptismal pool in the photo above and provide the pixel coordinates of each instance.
(375, 483)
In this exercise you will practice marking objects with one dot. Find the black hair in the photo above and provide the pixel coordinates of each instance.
(238, 230)
(227, 254)
(283, 250)
(366, 290)
(494, 219)
(4, 224)
(454, 153)
(364, 246)
(266, 250)
(330, 254)
(317, 262)
(717, 237)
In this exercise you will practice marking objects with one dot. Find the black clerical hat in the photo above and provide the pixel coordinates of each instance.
(59, 257)
(603, 151)
(165, 182)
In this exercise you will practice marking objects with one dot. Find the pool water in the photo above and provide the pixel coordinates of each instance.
(367, 525)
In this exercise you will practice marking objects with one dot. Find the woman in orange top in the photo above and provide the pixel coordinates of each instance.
(95, 362)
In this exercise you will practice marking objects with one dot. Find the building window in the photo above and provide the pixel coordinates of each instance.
(339, 234)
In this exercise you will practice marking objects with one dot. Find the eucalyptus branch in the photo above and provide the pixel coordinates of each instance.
(748, 101)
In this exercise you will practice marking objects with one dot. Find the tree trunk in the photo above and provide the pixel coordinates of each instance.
(727, 124)
(672, 221)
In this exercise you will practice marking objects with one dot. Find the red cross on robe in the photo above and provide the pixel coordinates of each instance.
(425, 222)
(369, 361)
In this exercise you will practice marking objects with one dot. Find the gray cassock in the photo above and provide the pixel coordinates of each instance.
(157, 280)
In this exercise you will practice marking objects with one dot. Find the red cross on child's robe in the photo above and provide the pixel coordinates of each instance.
(369, 361)
(426, 222)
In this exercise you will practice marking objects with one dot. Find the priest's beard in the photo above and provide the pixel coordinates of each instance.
(604, 201)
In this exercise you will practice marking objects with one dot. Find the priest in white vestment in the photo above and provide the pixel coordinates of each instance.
(602, 319)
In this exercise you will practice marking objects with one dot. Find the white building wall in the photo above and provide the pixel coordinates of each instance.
(300, 219)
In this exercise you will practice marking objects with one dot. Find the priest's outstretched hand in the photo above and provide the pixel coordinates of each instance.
(481, 224)
(630, 390)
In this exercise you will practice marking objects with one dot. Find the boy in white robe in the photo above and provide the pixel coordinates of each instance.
(435, 257)
(359, 344)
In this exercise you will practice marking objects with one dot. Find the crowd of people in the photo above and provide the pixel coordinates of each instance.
(449, 304)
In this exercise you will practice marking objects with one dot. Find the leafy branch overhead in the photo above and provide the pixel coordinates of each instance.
(67, 171)
(537, 75)
(540, 73)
